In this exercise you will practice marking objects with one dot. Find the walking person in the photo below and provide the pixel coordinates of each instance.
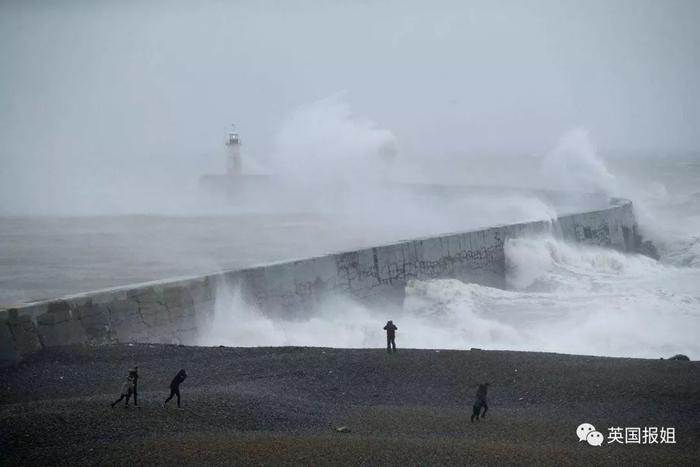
(390, 329)
(127, 391)
(175, 387)
(134, 374)
(480, 402)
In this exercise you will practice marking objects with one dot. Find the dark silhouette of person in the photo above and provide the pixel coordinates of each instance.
(134, 374)
(480, 402)
(127, 391)
(390, 336)
(175, 387)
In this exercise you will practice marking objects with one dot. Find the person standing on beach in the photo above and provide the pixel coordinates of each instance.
(127, 391)
(480, 402)
(390, 336)
(175, 387)
(134, 374)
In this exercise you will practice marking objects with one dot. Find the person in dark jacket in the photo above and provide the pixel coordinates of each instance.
(175, 387)
(134, 374)
(480, 402)
(390, 336)
(127, 391)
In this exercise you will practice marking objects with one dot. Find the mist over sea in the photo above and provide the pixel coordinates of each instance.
(110, 112)
(561, 297)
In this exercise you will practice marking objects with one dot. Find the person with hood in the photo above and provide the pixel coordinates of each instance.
(175, 387)
(127, 391)
(134, 374)
(390, 336)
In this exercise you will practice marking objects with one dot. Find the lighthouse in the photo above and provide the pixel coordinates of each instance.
(233, 184)
(233, 145)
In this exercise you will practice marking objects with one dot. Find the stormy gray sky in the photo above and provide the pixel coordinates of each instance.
(95, 92)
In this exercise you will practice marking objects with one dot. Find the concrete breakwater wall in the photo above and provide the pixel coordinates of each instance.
(174, 311)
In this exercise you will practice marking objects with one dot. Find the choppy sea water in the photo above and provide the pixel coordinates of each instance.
(561, 297)
(43, 257)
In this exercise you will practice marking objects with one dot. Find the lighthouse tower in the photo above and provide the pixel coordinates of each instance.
(233, 162)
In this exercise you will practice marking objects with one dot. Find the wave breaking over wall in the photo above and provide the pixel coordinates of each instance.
(180, 311)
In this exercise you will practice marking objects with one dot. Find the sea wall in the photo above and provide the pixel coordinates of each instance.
(173, 311)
